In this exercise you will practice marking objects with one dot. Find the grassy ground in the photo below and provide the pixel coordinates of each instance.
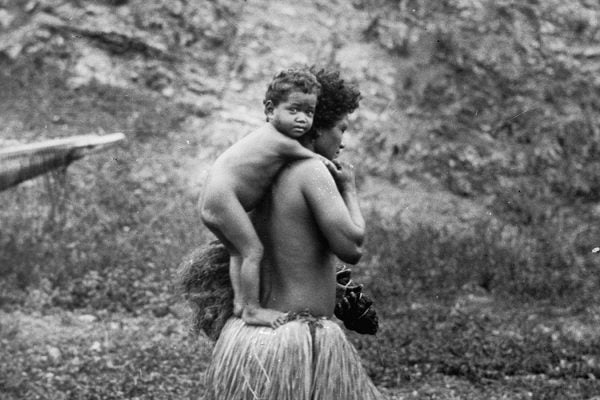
(79, 356)
(477, 347)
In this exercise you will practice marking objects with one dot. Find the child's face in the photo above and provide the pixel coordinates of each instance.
(294, 116)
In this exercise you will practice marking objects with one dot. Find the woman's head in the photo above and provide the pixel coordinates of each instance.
(337, 99)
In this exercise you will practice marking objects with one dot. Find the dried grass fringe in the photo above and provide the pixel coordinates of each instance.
(301, 360)
(203, 279)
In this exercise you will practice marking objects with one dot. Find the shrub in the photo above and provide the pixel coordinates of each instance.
(532, 262)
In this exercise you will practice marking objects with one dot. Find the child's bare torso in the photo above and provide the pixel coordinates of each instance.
(247, 168)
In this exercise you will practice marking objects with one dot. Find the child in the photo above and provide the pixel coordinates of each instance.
(241, 175)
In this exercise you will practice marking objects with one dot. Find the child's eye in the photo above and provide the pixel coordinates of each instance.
(310, 113)
(293, 109)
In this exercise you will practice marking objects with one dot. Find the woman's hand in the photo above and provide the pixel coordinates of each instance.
(343, 174)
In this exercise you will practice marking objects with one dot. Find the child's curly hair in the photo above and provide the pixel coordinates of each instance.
(337, 99)
(299, 79)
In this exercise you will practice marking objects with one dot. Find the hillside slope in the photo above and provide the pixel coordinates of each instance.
(215, 65)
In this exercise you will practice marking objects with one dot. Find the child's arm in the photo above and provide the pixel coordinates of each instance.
(293, 150)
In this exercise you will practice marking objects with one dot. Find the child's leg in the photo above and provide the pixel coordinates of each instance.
(227, 218)
(235, 266)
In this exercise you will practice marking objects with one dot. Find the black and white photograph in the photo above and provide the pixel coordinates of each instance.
(300, 200)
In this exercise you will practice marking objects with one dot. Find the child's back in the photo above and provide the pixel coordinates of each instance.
(248, 167)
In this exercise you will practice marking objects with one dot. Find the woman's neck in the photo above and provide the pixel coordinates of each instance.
(307, 141)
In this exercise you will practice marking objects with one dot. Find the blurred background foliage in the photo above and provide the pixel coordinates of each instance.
(506, 98)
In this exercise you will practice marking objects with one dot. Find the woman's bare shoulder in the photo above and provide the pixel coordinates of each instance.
(306, 166)
(305, 172)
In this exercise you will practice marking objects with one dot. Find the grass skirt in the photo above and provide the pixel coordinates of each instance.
(305, 359)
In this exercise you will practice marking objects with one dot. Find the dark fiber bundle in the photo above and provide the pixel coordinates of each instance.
(353, 307)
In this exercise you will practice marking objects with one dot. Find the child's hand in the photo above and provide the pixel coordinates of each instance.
(328, 163)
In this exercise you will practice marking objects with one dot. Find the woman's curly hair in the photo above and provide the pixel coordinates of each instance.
(337, 98)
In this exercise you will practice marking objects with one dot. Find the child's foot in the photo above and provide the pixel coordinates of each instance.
(237, 309)
(280, 321)
(263, 317)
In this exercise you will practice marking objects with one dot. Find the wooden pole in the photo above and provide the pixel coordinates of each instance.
(22, 162)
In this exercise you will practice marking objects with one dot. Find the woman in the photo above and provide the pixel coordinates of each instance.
(310, 217)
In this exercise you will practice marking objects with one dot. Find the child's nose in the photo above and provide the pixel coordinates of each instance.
(301, 117)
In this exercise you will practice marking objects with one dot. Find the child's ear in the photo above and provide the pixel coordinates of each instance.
(269, 107)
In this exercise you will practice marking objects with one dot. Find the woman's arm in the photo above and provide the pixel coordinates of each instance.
(343, 174)
(333, 200)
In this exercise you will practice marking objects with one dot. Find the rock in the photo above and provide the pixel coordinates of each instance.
(116, 3)
(96, 346)
(57, 119)
(175, 7)
(236, 85)
(459, 183)
(393, 36)
(160, 311)
(96, 65)
(6, 19)
(54, 353)
(12, 52)
(30, 6)
(159, 337)
(115, 325)
(87, 318)
(157, 77)
(168, 91)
